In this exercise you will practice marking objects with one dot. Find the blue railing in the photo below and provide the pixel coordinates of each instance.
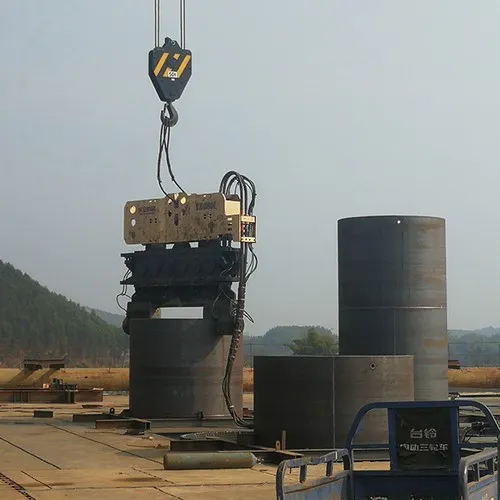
(330, 486)
(475, 477)
(478, 475)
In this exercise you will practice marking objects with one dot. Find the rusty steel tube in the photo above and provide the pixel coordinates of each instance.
(188, 460)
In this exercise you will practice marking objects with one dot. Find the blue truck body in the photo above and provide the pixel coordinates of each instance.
(431, 457)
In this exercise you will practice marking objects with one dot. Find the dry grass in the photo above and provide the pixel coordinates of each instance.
(111, 379)
(117, 378)
(247, 379)
(480, 378)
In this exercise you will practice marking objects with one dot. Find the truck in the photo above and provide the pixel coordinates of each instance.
(439, 450)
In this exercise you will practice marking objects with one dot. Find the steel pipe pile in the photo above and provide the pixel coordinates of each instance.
(177, 367)
(392, 294)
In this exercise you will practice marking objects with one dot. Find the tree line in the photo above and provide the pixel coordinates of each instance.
(470, 348)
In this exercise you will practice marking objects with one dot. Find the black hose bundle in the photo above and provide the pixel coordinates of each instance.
(231, 184)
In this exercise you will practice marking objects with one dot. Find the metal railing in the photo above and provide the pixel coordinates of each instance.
(325, 487)
(478, 475)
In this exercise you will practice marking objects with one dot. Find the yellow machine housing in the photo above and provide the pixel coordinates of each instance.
(180, 218)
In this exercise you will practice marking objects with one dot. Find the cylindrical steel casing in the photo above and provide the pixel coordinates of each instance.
(177, 367)
(392, 294)
(360, 380)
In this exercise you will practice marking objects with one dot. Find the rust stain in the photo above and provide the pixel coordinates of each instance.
(441, 342)
(134, 479)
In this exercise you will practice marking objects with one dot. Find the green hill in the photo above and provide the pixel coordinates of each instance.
(37, 322)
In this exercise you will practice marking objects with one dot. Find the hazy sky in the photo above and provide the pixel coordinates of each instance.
(335, 109)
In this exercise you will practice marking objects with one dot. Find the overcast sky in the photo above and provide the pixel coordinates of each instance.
(335, 109)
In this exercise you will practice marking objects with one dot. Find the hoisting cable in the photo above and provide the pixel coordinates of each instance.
(165, 148)
(157, 22)
(168, 115)
(182, 9)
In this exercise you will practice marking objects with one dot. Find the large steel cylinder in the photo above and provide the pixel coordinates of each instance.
(294, 400)
(392, 294)
(177, 367)
(360, 380)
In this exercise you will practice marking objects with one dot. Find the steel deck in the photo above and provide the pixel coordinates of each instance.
(56, 458)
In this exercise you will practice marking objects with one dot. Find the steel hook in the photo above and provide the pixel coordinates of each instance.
(172, 118)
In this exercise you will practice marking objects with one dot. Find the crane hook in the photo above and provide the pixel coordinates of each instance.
(170, 119)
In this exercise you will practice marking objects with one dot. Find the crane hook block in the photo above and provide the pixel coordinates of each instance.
(169, 70)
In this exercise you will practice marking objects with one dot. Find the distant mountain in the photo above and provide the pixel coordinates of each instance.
(488, 331)
(110, 318)
(37, 322)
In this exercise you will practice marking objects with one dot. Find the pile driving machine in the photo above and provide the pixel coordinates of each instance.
(195, 248)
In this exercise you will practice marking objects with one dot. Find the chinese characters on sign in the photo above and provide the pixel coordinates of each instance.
(428, 434)
(423, 438)
(424, 446)
(423, 433)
